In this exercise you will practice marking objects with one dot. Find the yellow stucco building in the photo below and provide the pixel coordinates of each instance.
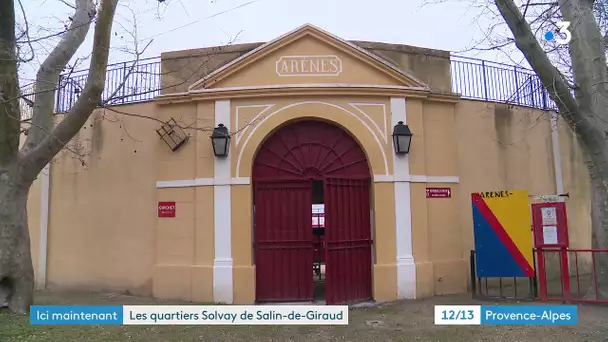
(309, 114)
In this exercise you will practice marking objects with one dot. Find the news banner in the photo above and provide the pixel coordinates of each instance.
(288, 315)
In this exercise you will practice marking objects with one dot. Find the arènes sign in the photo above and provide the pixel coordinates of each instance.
(309, 65)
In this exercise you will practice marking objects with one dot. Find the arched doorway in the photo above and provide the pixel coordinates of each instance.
(290, 168)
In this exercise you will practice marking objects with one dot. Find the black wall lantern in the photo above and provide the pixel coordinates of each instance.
(220, 140)
(402, 138)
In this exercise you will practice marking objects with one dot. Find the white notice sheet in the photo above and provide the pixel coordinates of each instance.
(550, 235)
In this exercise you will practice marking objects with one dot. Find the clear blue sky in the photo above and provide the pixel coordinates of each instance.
(453, 25)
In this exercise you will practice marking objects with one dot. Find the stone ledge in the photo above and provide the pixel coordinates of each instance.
(213, 50)
(246, 47)
(401, 48)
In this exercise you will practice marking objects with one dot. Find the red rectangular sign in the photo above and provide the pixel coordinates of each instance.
(550, 224)
(438, 193)
(166, 209)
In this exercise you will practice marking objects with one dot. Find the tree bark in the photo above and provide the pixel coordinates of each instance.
(47, 77)
(599, 217)
(10, 112)
(588, 56)
(19, 169)
(16, 270)
(36, 157)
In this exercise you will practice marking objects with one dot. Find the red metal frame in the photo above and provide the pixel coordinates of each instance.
(560, 247)
(293, 157)
(563, 269)
(568, 256)
(562, 224)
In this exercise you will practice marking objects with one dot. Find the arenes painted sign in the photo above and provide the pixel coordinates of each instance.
(309, 65)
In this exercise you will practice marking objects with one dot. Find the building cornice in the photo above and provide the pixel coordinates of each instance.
(324, 89)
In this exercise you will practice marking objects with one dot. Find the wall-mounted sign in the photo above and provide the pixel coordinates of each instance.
(550, 224)
(438, 193)
(309, 65)
(547, 198)
(503, 240)
(166, 209)
(549, 216)
(550, 235)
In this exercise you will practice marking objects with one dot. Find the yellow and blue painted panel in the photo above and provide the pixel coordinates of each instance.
(503, 234)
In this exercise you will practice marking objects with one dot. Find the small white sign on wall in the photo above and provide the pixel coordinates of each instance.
(549, 216)
(548, 198)
(550, 235)
(318, 215)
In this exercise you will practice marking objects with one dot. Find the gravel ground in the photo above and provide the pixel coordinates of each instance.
(399, 321)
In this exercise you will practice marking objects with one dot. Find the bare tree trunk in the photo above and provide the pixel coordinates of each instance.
(599, 219)
(588, 55)
(19, 169)
(16, 270)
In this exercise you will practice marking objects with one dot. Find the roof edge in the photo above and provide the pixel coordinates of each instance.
(403, 73)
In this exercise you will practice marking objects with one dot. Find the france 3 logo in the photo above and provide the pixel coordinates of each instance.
(562, 37)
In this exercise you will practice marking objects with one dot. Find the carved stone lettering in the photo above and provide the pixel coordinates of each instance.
(309, 65)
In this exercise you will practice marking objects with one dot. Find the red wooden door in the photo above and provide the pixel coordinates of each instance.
(283, 170)
(348, 255)
(283, 241)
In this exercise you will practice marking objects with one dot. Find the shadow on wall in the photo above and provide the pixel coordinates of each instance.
(93, 236)
(578, 185)
(501, 147)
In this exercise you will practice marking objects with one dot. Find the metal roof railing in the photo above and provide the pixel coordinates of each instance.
(137, 81)
(126, 82)
(497, 82)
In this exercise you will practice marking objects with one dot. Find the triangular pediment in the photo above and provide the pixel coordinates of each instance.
(307, 55)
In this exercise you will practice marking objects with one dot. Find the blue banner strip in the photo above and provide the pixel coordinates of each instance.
(490, 314)
(75, 315)
(529, 314)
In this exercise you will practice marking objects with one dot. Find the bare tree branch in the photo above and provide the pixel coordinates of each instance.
(48, 74)
(26, 33)
(536, 56)
(67, 4)
(90, 98)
